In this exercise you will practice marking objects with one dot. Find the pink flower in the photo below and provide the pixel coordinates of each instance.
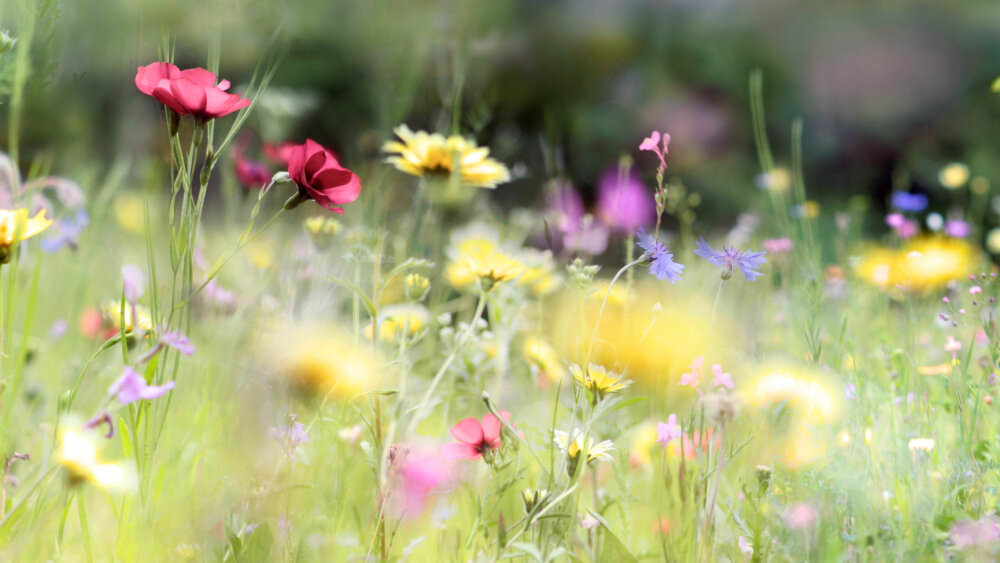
(692, 378)
(191, 92)
(952, 345)
(668, 431)
(975, 290)
(778, 245)
(420, 474)
(250, 173)
(956, 228)
(475, 438)
(721, 378)
(652, 144)
(134, 283)
(131, 387)
(280, 153)
(895, 220)
(623, 202)
(800, 516)
(974, 533)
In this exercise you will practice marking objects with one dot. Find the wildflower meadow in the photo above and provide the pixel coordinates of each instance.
(528, 281)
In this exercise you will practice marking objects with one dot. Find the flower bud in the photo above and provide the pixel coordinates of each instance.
(763, 478)
(416, 287)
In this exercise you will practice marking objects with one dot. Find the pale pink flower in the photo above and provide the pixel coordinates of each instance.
(420, 475)
(668, 431)
(652, 144)
(746, 548)
(588, 522)
(721, 378)
(131, 387)
(693, 377)
(952, 345)
(975, 290)
(778, 245)
(800, 516)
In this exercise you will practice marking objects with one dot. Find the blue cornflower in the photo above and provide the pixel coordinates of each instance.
(730, 258)
(66, 232)
(905, 201)
(660, 259)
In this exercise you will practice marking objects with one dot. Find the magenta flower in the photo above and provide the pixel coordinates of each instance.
(475, 438)
(668, 431)
(660, 259)
(131, 387)
(579, 231)
(250, 173)
(652, 144)
(623, 203)
(721, 379)
(747, 261)
(693, 377)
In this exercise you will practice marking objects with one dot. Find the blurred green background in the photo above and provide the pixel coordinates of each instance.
(889, 91)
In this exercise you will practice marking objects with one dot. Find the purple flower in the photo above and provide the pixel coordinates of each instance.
(668, 431)
(906, 201)
(178, 342)
(291, 436)
(579, 231)
(131, 387)
(623, 203)
(729, 258)
(660, 259)
(135, 283)
(66, 232)
(956, 228)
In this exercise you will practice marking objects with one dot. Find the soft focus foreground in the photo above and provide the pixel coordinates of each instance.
(279, 317)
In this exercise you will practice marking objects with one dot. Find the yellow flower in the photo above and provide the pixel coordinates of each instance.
(544, 358)
(416, 287)
(643, 442)
(993, 240)
(600, 451)
(396, 320)
(808, 405)
(538, 271)
(778, 179)
(78, 454)
(16, 226)
(129, 212)
(455, 160)
(323, 359)
(476, 256)
(111, 311)
(921, 264)
(954, 175)
(598, 380)
(922, 444)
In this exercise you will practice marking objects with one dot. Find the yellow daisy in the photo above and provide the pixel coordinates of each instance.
(395, 320)
(78, 454)
(454, 158)
(16, 226)
(598, 380)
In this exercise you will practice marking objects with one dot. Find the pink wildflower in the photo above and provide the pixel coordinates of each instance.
(475, 438)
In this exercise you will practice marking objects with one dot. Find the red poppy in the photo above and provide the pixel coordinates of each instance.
(315, 169)
(188, 92)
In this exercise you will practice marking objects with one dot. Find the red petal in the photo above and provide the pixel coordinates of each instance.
(199, 76)
(167, 98)
(219, 103)
(315, 161)
(189, 95)
(468, 430)
(296, 164)
(147, 77)
(491, 429)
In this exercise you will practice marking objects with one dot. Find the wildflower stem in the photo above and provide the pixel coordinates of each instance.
(419, 412)
(604, 303)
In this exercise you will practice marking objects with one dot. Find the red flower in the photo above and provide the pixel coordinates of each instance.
(475, 439)
(279, 153)
(250, 173)
(188, 92)
(320, 177)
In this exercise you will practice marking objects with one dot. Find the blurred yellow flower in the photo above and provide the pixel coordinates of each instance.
(416, 286)
(809, 407)
(78, 454)
(323, 359)
(396, 320)
(954, 175)
(993, 240)
(778, 179)
(476, 256)
(112, 313)
(543, 357)
(129, 212)
(643, 444)
(653, 343)
(538, 273)
(16, 225)
(923, 263)
(921, 444)
(453, 160)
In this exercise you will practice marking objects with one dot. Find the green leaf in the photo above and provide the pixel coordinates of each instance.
(365, 300)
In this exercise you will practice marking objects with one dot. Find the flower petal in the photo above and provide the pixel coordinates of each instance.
(468, 430)
(456, 450)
